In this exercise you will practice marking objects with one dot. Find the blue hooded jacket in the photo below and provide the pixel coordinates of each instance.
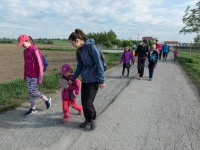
(165, 48)
(90, 68)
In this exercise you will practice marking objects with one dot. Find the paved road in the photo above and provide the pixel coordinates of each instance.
(132, 115)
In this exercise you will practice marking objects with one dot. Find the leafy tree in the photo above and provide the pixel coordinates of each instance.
(191, 19)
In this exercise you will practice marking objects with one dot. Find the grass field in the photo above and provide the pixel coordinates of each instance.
(190, 60)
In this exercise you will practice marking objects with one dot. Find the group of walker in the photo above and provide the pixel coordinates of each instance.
(141, 54)
(90, 68)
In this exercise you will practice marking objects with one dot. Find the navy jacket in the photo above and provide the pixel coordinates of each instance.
(90, 68)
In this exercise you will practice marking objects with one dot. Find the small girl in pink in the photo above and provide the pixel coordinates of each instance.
(175, 54)
(69, 92)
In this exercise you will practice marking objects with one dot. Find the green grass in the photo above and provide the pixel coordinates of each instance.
(14, 93)
(191, 64)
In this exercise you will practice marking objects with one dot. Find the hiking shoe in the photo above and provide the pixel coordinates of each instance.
(80, 112)
(84, 124)
(30, 112)
(64, 120)
(122, 77)
(48, 103)
(93, 125)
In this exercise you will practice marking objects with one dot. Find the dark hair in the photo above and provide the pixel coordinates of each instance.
(32, 40)
(77, 34)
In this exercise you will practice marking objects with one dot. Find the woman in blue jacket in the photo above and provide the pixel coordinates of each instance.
(92, 74)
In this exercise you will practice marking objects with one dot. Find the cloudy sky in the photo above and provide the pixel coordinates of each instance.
(129, 19)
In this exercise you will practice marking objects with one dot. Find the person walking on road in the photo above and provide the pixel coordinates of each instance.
(159, 48)
(165, 49)
(69, 92)
(141, 53)
(153, 58)
(126, 58)
(33, 72)
(175, 54)
(92, 74)
(133, 49)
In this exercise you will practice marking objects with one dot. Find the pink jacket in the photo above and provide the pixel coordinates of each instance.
(33, 64)
(176, 52)
(74, 87)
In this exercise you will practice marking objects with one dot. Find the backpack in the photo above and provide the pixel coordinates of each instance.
(45, 62)
(103, 60)
(153, 57)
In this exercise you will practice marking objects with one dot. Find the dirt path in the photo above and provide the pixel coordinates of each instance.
(132, 114)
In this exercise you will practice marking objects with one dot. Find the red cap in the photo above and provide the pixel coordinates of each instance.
(65, 69)
(21, 39)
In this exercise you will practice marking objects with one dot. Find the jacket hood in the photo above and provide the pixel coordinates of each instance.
(90, 41)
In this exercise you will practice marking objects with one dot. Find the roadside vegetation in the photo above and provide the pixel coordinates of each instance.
(190, 61)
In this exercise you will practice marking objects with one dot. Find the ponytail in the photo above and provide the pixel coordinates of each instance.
(32, 40)
(77, 34)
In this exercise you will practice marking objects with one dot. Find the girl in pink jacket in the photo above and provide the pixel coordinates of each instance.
(69, 92)
(33, 72)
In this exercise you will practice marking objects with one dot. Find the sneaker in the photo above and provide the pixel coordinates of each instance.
(31, 111)
(93, 125)
(48, 103)
(80, 112)
(149, 79)
(122, 77)
(64, 120)
(84, 124)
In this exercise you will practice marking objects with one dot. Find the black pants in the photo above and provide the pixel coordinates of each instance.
(151, 69)
(88, 94)
(124, 67)
(140, 66)
(160, 54)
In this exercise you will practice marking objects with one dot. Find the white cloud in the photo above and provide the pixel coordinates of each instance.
(51, 18)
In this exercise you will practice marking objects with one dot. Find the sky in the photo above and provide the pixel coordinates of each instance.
(129, 19)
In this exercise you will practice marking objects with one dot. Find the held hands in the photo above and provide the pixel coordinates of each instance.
(70, 82)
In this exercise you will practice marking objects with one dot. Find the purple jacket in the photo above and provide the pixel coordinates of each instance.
(126, 57)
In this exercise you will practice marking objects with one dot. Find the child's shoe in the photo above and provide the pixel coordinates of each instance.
(80, 112)
(30, 112)
(64, 120)
(48, 103)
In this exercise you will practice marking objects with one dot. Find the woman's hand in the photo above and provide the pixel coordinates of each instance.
(102, 85)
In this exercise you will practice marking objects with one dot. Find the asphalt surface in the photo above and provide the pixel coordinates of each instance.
(133, 114)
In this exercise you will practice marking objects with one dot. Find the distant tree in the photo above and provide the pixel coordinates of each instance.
(191, 19)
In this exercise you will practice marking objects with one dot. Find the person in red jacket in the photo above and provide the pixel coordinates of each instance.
(69, 92)
(33, 72)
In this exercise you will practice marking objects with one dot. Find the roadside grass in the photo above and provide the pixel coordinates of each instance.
(14, 93)
(191, 64)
